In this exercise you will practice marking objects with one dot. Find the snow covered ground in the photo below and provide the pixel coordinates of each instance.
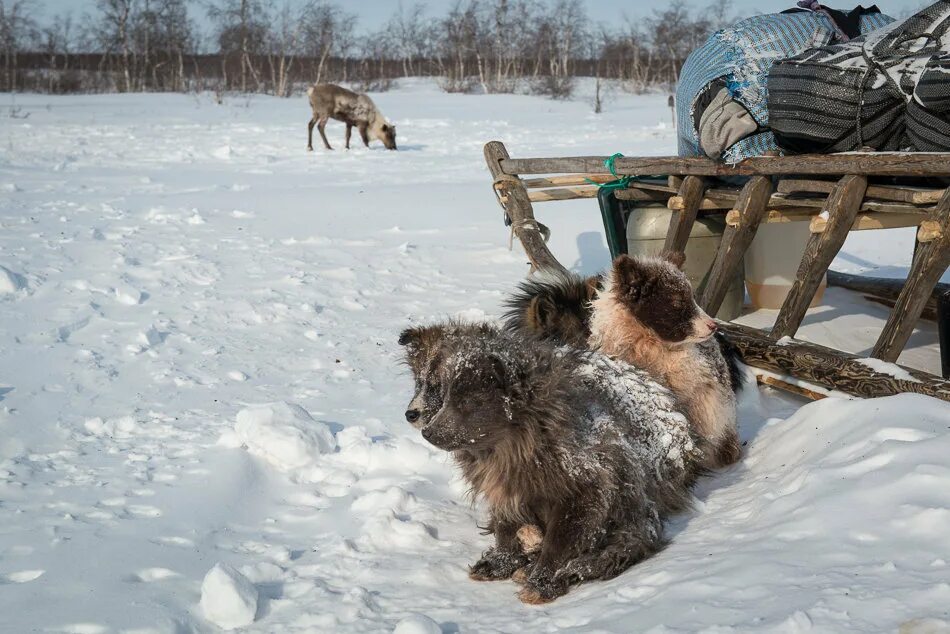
(197, 333)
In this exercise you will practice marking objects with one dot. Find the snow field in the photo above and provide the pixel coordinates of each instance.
(201, 394)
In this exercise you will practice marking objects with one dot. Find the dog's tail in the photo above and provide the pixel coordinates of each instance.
(556, 307)
(731, 354)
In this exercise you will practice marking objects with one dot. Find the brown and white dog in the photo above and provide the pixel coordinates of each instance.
(645, 314)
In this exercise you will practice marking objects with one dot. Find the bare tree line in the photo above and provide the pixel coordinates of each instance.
(489, 46)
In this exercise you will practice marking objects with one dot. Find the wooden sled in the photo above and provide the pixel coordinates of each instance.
(832, 192)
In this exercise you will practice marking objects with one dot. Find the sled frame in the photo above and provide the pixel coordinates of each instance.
(830, 191)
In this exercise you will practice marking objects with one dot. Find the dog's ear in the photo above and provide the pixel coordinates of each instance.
(633, 281)
(676, 258)
(510, 378)
(420, 338)
(410, 336)
(628, 278)
(593, 284)
(539, 313)
(420, 343)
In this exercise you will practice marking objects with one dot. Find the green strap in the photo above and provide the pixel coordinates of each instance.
(622, 181)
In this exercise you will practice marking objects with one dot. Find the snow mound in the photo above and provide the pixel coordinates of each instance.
(120, 427)
(891, 369)
(282, 433)
(11, 282)
(228, 598)
(417, 624)
(926, 626)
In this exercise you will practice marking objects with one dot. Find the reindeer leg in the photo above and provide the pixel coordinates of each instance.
(363, 134)
(321, 125)
(313, 122)
(349, 131)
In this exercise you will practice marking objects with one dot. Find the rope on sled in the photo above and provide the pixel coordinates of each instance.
(529, 223)
(622, 181)
(499, 185)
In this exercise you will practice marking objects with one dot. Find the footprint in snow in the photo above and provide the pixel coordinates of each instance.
(350, 303)
(23, 576)
(174, 540)
(150, 575)
(144, 511)
(129, 296)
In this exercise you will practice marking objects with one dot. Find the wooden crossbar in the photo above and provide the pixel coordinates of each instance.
(725, 199)
(866, 163)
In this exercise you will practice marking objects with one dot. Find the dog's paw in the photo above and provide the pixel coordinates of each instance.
(530, 537)
(496, 566)
(481, 572)
(520, 576)
(540, 589)
(533, 597)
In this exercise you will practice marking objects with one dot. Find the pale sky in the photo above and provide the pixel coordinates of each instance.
(373, 13)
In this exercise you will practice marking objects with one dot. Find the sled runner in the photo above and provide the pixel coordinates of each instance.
(834, 193)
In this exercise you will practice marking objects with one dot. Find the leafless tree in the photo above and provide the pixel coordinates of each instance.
(719, 14)
(17, 32)
(491, 45)
(283, 47)
(56, 41)
(242, 31)
(674, 34)
(114, 33)
(409, 36)
(325, 30)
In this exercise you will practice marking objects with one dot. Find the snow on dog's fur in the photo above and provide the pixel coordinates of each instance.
(645, 314)
(589, 450)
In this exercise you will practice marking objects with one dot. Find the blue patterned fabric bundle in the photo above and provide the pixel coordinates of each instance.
(738, 60)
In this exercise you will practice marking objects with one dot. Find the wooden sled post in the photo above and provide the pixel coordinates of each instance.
(518, 207)
(681, 222)
(842, 208)
(752, 204)
(930, 261)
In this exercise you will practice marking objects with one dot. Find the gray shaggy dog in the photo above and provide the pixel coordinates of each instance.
(589, 450)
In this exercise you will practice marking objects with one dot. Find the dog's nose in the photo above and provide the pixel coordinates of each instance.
(412, 415)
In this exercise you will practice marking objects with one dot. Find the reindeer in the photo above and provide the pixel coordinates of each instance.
(329, 101)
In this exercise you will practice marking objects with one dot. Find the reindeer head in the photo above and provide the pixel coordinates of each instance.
(387, 134)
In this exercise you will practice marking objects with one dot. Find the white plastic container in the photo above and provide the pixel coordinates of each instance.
(646, 234)
(772, 261)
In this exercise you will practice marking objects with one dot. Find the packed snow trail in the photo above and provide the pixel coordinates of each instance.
(198, 326)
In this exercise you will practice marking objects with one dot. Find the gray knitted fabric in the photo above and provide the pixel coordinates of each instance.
(723, 124)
